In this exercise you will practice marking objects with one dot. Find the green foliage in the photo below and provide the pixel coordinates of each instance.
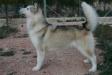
(89, 1)
(104, 35)
(14, 1)
(5, 31)
(1, 49)
(26, 52)
(7, 53)
(104, 32)
(102, 13)
(106, 1)
(70, 3)
(12, 73)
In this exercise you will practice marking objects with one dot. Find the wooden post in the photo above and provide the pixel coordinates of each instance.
(45, 11)
(6, 13)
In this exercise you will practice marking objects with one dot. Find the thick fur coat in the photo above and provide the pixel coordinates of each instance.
(44, 37)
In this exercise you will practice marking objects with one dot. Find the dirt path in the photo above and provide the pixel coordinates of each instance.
(57, 62)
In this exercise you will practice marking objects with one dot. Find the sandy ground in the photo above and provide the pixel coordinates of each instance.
(57, 62)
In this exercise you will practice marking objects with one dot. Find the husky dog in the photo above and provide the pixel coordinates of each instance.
(44, 37)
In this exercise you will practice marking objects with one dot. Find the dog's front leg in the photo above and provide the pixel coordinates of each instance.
(40, 59)
(40, 51)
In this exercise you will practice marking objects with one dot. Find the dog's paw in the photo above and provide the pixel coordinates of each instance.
(92, 70)
(86, 61)
(36, 68)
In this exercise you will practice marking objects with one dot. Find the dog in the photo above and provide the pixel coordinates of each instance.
(44, 37)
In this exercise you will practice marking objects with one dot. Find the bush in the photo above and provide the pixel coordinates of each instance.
(6, 30)
(104, 37)
(8, 52)
(102, 13)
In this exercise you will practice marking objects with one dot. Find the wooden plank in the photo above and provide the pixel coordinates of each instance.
(101, 20)
(67, 23)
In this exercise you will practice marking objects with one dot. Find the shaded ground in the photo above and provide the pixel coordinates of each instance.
(57, 62)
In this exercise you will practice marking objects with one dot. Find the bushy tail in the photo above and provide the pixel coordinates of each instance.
(91, 15)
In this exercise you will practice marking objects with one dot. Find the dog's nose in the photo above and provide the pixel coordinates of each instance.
(21, 11)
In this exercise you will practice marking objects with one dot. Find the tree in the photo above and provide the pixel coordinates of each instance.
(12, 2)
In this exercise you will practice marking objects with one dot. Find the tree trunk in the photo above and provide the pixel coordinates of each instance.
(104, 7)
(6, 13)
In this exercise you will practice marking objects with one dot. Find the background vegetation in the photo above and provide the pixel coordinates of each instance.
(5, 31)
(104, 38)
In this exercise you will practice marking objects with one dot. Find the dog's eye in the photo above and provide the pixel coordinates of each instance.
(27, 8)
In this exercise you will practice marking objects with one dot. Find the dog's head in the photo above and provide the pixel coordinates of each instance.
(30, 10)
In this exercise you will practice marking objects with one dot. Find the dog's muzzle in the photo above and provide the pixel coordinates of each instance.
(21, 11)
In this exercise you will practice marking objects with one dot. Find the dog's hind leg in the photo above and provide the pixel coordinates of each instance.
(86, 61)
(91, 57)
(90, 53)
(87, 49)
(93, 62)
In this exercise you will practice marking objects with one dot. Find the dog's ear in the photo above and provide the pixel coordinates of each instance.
(35, 5)
(34, 9)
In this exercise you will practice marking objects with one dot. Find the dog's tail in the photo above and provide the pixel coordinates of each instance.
(91, 15)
